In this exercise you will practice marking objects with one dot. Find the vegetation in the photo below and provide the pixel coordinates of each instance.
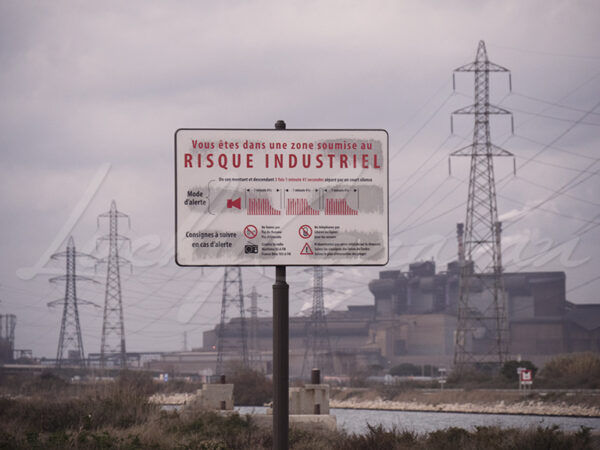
(209, 430)
(49, 412)
(575, 370)
(509, 369)
(250, 387)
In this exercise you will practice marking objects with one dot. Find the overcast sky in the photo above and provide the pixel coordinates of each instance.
(92, 93)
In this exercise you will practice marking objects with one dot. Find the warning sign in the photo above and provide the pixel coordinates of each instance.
(274, 197)
(526, 376)
(306, 250)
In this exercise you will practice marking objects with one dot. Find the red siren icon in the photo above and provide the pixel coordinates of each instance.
(237, 203)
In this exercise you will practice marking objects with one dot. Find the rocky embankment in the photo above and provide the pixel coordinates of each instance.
(495, 403)
(172, 399)
(529, 408)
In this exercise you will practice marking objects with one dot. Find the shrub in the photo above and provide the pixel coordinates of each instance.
(250, 387)
(509, 369)
(576, 370)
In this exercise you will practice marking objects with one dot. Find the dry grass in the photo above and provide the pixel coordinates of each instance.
(118, 416)
(576, 370)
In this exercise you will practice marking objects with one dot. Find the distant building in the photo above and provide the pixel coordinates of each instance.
(8, 323)
(418, 311)
(412, 319)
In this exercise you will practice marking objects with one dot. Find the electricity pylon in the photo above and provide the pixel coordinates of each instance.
(113, 327)
(254, 353)
(317, 346)
(233, 294)
(482, 328)
(70, 329)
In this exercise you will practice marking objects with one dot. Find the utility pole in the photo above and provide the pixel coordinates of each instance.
(233, 294)
(113, 327)
(70, 329)
(317, 346)
(482, 328)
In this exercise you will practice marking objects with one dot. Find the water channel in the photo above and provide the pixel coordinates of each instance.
(356, 420)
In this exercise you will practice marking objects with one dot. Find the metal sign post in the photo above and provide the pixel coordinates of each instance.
(280, 359)
(281, 293)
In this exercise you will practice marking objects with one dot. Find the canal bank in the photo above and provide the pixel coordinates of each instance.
(480, 401)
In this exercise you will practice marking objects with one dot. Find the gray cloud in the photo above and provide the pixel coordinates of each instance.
(88, 84)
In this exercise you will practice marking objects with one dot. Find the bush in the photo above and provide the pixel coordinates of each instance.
(509, 369)
(250, 387)
(121, 404)
(576, 370)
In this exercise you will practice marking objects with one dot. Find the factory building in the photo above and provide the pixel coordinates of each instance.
(417, 313)
(7, 337)
(412, 318)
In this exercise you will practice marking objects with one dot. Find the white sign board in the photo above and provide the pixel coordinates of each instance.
(281, 197)
(526, 376)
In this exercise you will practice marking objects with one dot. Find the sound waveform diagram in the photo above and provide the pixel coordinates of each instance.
(338, 207)
(261, 207)
(300, 207)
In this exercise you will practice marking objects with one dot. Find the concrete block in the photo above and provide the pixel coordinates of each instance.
(310, 399)
(215, 396)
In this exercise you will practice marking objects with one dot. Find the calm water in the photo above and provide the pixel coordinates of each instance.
(356, 420)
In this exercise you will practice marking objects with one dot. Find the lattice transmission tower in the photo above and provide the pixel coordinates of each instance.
(229, 338)
(482, 328)
(70, 340)
(112, 349)
(317, 346)
(254, 352)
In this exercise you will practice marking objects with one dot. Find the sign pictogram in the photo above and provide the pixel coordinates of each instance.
(250, 231)
(250, 249)
(237, 203)
(306, 250)
(305, 231)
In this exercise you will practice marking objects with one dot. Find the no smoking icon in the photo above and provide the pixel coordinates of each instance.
(250, 231)
(305, 231)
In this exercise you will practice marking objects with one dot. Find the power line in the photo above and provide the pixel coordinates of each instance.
(555, 104)
(416, 133)
(585, 283)
(546, 53)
